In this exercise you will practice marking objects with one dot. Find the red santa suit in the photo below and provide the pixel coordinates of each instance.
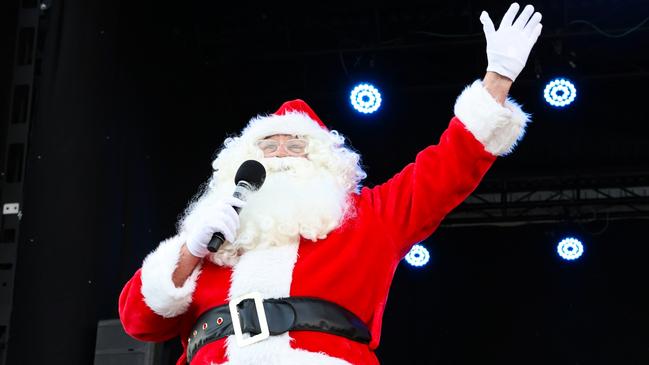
(353, 266)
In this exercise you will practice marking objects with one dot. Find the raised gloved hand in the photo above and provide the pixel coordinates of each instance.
(510, 45)
(220, 217)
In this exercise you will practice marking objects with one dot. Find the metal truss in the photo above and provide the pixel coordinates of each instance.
(554, 199)
(16, 124)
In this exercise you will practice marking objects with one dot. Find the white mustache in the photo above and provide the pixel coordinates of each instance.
(289, 163)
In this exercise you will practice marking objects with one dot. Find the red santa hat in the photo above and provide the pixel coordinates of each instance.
(293, 117)
(299, 105)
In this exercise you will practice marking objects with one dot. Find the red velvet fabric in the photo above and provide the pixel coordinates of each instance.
(355, 264)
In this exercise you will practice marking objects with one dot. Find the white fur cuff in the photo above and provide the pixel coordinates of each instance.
(498, 128)
(159, 291)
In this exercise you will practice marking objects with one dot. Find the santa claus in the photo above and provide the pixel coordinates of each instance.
(305, 269)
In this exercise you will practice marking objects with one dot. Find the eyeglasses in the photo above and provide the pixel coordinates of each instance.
(293, 147)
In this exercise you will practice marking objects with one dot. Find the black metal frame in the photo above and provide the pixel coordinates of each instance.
(555, 199)
(17, 124)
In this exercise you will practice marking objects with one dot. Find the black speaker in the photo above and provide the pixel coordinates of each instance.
(115, 347)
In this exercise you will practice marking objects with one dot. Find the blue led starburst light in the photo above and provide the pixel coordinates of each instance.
(365, 98)
(560, 92)
(418, 256)
(570, 248)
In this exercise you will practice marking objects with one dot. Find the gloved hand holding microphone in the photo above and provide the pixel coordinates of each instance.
(221, 221)
(221, 217)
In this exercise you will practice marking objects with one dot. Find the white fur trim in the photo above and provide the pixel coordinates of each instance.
(498, 128)
(276, 350)
(290, 123)
(270, 272)
(159, 291)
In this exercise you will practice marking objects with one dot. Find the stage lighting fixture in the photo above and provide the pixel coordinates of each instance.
(570, 248)
(560, 92)
(365, 98)
(418, 256)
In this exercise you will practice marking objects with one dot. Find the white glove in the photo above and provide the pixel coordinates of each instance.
(510, 45)
(221, 217)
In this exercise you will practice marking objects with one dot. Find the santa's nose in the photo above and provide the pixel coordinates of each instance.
(281, 151)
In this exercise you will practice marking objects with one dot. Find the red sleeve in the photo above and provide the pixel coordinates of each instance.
(139, 320)
(412, 203)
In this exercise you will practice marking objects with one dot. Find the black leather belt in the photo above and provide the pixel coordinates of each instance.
(278, 316)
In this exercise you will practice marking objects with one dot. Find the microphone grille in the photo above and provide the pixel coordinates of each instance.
(251, 171)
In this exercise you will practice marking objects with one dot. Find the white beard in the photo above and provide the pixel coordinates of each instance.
(298, 199)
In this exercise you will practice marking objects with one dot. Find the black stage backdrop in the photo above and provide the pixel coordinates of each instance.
(130, 111)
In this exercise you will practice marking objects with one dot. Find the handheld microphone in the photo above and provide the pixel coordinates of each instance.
(250, 176)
